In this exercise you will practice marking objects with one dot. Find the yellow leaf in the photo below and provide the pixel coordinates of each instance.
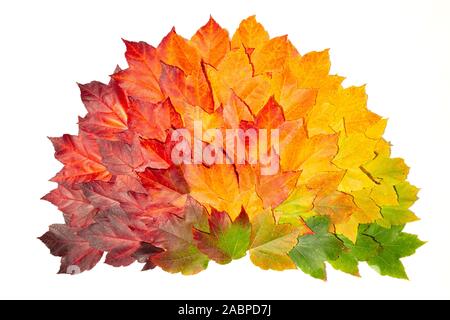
(354, 151)
(388, 170)
(384, 195)
(271, 243)
(355, 179)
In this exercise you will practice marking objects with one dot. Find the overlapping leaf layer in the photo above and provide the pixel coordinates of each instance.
(339, 197)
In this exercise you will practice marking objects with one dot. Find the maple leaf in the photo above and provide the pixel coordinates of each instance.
(226, 240)
(141, 79)
(150, 177)
(362, 249)
(271, 242)
(394, 245)
(81, 158)
(212, 42)
(271, 56)
(122, 158)
(75, 252)
(313, 250)
(216, 186)
(400, 214)
(117, 234)
(78, 210)
(107, 110)
(250, 34)
(151, 120)
(176, 237)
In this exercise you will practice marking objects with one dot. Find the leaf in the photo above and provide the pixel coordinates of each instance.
(271, 56)
(76, 254)
(141, 79)
(123, 158)
(313, 250)
(250, 34)
(388, 170)
(274, 189)
(400, 214)
(270, 116)
(193, 89)
(176, 51)
(107, 110)
(118, 235)
(206, 148)
(354, 151)
(235, 72)
(272, 242)
(338, 206)
(175, 236)
(212, 42)
(165, 185)
(216, 186)
(81, 158)
(77, 209)
(144, 254)
(226, 240)
(235, 111)
(296, 101)
(384, 194)
(361, 249)
(394, 245)
(299, 204)
(151, 121)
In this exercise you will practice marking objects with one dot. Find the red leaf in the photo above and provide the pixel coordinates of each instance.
(141, 78)
(78, 211)
(81, 158)
(118, 235)
(122, 158)
(270, 116)
(145, 253)
(107, 110)
(152, 120)
(175, 236)
(75, 252)
(171, 178)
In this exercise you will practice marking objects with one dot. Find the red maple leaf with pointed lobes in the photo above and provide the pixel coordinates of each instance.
(150, 177)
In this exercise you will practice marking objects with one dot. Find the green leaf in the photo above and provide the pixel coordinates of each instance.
(364, 248)
(312, 251)
(394, 244)
(346, 262)
(226, 240)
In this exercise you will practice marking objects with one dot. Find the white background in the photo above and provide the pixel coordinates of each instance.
(401, 49)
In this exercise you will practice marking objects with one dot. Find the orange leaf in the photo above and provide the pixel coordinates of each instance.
(212, 42)
(251, 34)
(271, 56)
(176, 51)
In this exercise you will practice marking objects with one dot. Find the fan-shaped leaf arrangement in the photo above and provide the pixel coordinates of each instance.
(336, 195)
